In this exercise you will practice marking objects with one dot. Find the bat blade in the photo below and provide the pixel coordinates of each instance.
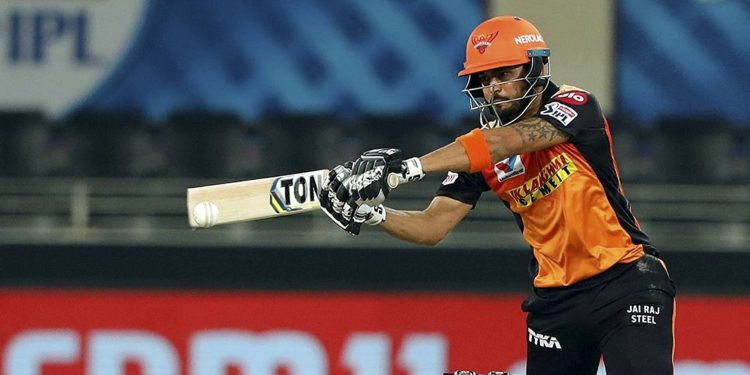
(257, 199)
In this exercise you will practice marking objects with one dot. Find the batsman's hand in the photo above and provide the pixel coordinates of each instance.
(370, 174)
(341, 207)
(334, 195)
(369, 215)
(356, 215)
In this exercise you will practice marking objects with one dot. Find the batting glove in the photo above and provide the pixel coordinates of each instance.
(369, 215)
(333, 196)
(411, 170)
(370, 174)
(356, 215)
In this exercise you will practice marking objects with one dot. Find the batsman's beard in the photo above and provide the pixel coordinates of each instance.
(508, 111)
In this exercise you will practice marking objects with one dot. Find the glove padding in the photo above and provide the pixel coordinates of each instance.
(369, 215)
(355, 216)
(334, 195)
(341, 206)
(370, 173)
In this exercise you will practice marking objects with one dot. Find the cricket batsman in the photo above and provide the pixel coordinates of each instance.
(600, 289)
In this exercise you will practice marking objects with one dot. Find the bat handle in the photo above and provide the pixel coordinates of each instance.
(393, 180)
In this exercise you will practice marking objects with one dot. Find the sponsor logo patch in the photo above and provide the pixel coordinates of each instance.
(560, 112)
(548, 180)
(450, 178)
(573, 97)
(643, 314)
(545, 341)
(509, 167)
(528, 38)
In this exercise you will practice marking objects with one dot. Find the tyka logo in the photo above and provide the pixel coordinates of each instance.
(545, 341)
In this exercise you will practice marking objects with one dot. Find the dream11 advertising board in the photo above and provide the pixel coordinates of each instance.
(56, 332)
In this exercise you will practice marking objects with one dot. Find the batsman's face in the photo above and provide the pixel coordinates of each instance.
(501, 85)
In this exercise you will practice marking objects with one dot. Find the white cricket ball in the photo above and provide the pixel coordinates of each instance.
(206, 214)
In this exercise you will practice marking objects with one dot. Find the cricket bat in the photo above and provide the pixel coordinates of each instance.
(257, 199)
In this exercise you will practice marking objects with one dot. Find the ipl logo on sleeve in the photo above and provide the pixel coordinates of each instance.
(509, 167)
(559, 112)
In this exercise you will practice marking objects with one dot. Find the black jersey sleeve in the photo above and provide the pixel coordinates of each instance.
(463, 187)
(574, 112)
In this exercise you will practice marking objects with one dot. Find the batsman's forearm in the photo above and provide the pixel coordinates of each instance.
(501, 143)
(412, 226)
(451, 157)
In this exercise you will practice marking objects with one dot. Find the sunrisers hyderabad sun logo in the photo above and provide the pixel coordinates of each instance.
(482, 41)
(549, 178)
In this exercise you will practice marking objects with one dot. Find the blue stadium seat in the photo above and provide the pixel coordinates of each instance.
(693, 150)
(104, 143)
(202, 143)
(23, 136)
(303, 142)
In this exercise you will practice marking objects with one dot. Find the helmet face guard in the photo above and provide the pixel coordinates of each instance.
(538, 75)
(500, 42)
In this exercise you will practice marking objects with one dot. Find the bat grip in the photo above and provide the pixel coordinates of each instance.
(393, 180)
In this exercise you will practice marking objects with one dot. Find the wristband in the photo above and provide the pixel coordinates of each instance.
(411, 171)
(477, 149)
(370, 215)
(378, 215)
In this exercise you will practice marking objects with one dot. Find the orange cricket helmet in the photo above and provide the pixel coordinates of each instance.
(502, 42)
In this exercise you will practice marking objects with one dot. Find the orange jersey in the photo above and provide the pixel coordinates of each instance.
(568, 199)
